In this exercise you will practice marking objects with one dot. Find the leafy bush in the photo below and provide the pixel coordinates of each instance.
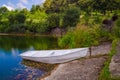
(118, 23)
(97, 19)
(115, 33)
(16, 28)
(1, 28)
(116, 30)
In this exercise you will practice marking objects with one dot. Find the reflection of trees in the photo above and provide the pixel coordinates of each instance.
(8, 42)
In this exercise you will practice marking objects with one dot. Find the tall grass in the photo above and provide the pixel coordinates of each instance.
(82, 36)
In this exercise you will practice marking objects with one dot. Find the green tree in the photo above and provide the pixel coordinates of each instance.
(16, 17)
(3, 13)
(36, 8)
(105, 5)
(33, 9)
(37, 22)
(56, 6)
(53, 20)
(20, 17)
(16, 22)
(52, 6)
(99, 5)
(85, 5)
(24, 11)
(11, 18)
(71, 17)
(3, 10)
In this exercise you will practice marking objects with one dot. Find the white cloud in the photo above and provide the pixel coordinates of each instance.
(24, 1)
(20, 6)
(38, 1)
(8, 7)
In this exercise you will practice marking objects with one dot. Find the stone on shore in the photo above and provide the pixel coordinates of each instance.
(84, 69)
(102, 49)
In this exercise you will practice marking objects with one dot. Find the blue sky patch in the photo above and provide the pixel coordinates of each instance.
(19, 4)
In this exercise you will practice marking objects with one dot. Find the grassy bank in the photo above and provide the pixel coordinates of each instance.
(105, 74)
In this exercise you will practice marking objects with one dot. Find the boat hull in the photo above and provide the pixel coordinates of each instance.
(58, 59)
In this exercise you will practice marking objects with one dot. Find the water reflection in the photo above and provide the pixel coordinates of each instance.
(24, 43)
(10, 61)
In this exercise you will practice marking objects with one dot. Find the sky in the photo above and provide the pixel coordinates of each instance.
(19, 4)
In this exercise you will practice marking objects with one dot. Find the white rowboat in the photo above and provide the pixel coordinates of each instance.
(55, 56)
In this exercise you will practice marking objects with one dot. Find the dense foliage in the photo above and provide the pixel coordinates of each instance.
(37, 20)
(58, 13)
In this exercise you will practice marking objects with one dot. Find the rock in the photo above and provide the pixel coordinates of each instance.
(102, 49)
(85, 69)
(58, 31)
(116, 58)
(109, 24)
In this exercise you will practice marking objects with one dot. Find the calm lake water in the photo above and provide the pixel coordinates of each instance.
(11, 67)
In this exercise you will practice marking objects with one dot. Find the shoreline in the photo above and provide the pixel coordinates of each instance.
(22, 34)
(49, 72)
